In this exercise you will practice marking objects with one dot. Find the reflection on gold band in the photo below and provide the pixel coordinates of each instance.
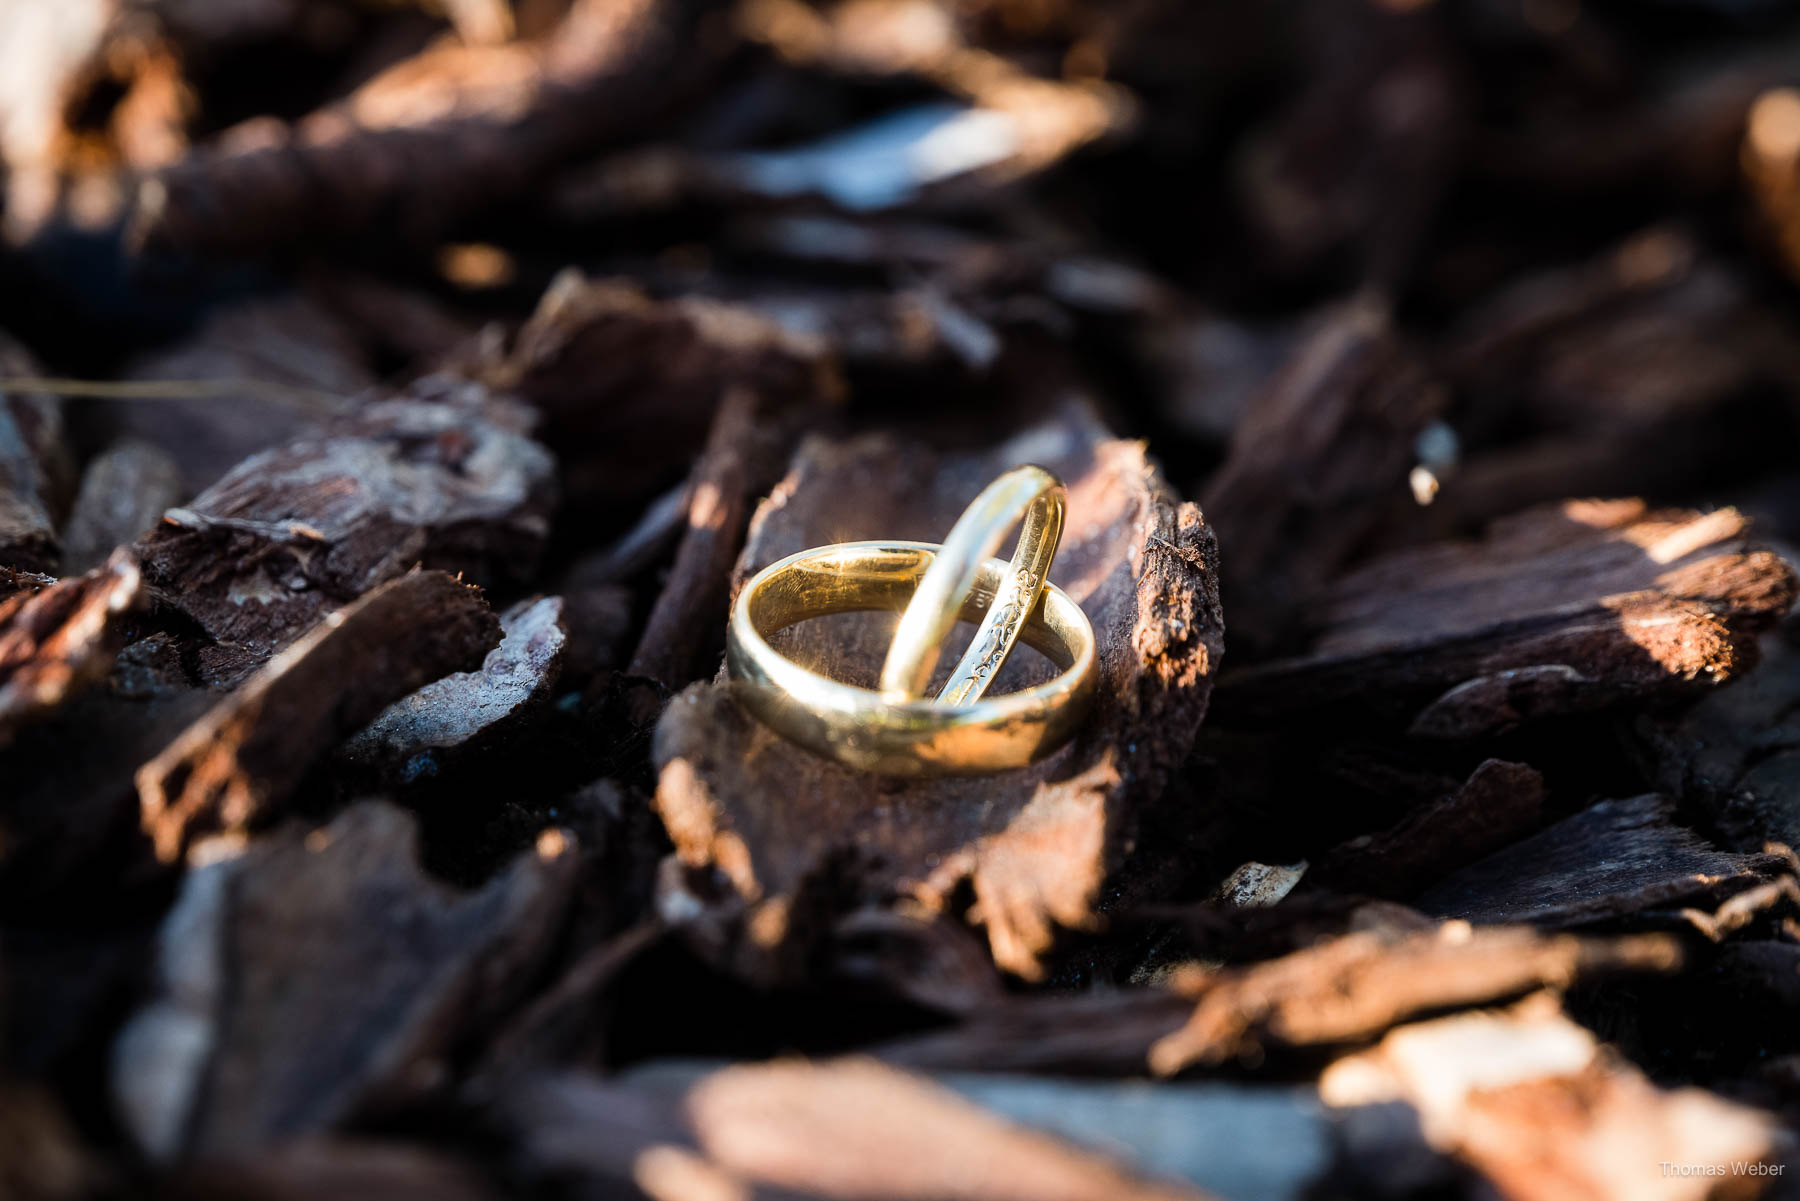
(869, 730)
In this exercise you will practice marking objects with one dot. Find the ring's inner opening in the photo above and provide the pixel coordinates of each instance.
(851, 647)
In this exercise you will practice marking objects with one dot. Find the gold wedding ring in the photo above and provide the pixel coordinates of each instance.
(894, 729)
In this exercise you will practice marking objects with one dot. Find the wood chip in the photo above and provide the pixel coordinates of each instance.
(350, 1169)
(56, 640)
(1037, 843)
(237, 764)
(1574, 607)
(317, 977)
(123, 493)
(1354, 987)
(1611, 860)
(293, 533)
(33, 468)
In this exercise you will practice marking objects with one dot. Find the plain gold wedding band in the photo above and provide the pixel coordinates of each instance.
(864, 728)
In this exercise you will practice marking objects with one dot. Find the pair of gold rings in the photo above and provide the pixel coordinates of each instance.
(894, 729)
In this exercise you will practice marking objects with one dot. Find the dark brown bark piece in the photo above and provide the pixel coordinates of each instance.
(435, 138)
(1036, 843)
(59, 639)
(1579, 606)
(236, 765)
(33, 468)
(1354, 987)
(1321, 456)
(796, 1129)
(315, 977)
(628, 386)
(307, 362)
(1612, 860)
(1499, 804)
(293, 533)
(466, 711)
(346, 1169)
(124, 491)
(1736, 752)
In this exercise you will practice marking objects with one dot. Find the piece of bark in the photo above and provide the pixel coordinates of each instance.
(565, 1024)
(787, 1130)
(463, 713)
(1036, 843)
(629, 386)
(1580, 606)
(349, 1169)
(240, 762)
(688, 615)
(1612, 860)
(293, 533)
(1354, 987)
(312, 978)
(435, 138)
(1499, 804)
(1736, 752)
(57, 640)
(123, 492)
(1544, 1112)
(14, 582)
(309, 355)
(33, 468)
(1321, 456)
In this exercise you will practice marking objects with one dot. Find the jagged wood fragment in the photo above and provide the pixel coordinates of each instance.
(1499, 804)
(293, 533)
(1572, 607)
(124, 490)
(466, 711)
(56, 640)
(1037, 843)
(33, 468)
(239, 762)
(1319, 459)
(316, 977)
(1612, 860)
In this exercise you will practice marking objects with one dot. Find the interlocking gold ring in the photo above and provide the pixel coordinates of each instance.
(870, 730)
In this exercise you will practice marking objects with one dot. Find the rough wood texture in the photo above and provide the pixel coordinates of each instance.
(56, 640)
(1499, 804)
(1320, 457)
(1611, 860)
(318, 976)
(32, 468)
(236, 765)
(293, 533)
(124, 491)
(792, 1130)
(1569, 608)
(424, 733)
(438, 137)
(1036, 844)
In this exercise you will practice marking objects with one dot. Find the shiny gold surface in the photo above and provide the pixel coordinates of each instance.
(862, 727)
(1034, 499)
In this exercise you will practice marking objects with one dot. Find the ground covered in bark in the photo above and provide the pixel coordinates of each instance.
(395, 393)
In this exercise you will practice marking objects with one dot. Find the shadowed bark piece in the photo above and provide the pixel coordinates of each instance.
(564, 1025)
(1499, 804)
(56, 640)
(466, 711)
(315, 977)
(1106, 1033)
(794, 1129)
(1356, 986)
(690, 612)
(1036, 843)
(1737, 752)
(347, 1169)
(1612, 860)
(1321, 456)
(1579, 606)
(293, 533)
(236, 765)
(123, 492)
(433, 139)
(33, 468)
(13, 582)
(628, 386)
(1536, 1105)
(311, 359)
